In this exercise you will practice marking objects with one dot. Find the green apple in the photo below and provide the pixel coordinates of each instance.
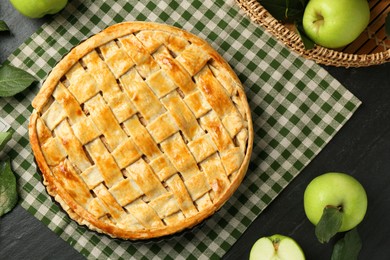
(337, 190)
(38, 8)
(276, 247)
(335, 23)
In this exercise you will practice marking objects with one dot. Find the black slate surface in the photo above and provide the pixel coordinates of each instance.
(361, 148)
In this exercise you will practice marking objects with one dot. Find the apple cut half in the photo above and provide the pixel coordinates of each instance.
(276, 247)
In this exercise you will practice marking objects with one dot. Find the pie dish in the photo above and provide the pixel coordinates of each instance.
(141, 131)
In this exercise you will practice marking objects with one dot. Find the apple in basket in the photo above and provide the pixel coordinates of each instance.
(335, 23)
(276, 247)
(337, 191)
(38, 8)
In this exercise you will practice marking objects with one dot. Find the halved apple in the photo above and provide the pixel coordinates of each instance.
(276, 247)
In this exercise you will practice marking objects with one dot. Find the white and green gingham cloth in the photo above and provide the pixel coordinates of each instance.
(297, 107)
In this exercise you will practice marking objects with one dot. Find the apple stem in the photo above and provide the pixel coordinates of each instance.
(339, 207)
(320, 19)
(276, 244)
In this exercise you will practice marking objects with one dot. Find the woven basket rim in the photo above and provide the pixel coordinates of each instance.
(319, 54)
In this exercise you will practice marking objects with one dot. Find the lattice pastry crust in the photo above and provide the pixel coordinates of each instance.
(141, 131)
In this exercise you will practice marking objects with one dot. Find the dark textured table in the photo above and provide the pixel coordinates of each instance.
(361, 148)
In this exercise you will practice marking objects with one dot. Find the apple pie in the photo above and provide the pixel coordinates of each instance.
(141, 131)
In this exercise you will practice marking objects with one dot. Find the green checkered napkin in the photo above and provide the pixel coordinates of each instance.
(296, 107)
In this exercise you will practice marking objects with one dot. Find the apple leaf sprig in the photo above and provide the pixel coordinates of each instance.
(8, 190)
(3, 26)
(285, 10)
(348, 247)
(4, 138)
(329, 224)
(13, 80)
(289, 11)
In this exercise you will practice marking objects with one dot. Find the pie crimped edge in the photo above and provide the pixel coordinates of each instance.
(39, 136)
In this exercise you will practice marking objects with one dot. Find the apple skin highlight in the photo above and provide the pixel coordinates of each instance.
(335, 23)
(338, 190)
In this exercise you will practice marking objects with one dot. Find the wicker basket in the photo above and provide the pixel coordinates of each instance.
(372, 47)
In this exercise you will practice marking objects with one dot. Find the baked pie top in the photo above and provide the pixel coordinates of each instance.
(141, 131)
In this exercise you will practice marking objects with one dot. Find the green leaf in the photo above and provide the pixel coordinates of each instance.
(348, 247)
(329, 224)
(290, 11)
(285, 10)
(387, 24)
(14, 80)
(4, 138)
(3, 26)
(307, 42)
(8, 192)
